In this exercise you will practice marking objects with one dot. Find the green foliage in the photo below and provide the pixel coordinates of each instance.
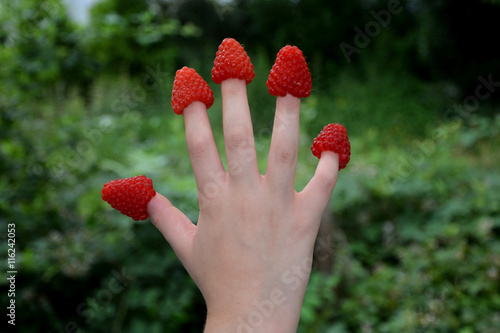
(416, 223)
(38, 46)
(129, 34)
(416, 241)
(67, 236)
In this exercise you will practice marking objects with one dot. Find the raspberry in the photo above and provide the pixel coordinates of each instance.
(289, 74)
(130, 196)
(334, 138)
(232, 62)
(189, 87)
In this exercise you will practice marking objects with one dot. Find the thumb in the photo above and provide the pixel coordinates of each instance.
(316, 195)
(176, 227)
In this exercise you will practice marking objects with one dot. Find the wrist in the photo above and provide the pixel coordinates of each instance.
(279, 312)
(252, 322)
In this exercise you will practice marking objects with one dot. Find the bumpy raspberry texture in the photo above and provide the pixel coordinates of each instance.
(290, 74)
(334, 138)
(130, 196)
(232, 62)
(189, 87)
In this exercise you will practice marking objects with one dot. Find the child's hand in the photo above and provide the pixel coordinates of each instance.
(251, 250)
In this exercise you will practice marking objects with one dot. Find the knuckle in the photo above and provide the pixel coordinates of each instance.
(286, 156)
(237, 139)
(328, 181)
(198, 146)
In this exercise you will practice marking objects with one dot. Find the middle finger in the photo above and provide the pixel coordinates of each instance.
(238, 132)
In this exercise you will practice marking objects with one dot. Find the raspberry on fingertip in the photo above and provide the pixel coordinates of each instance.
(190, 87)
(232, 62)
(333, 138)
(290, 74)
(130, 196)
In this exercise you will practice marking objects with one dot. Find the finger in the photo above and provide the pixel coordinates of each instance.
(176, 227)
(205, 159)
(238, 133)
(282, 160)
(316, 195)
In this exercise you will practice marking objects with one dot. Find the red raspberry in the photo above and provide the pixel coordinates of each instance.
(130, 196)
(334, 138)
(232, 62)
(289, 74)
(189, 87)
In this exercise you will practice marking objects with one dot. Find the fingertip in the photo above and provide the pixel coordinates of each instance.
(233, 87)
(328, 169)
(315, 196)
(165, 216)
(196, 121)
(155, 205)
(156, 210)
(289, 101)
(176, 227)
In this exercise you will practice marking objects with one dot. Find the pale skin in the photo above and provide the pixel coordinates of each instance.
(250, 252)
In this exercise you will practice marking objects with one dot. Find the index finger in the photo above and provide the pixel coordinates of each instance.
(238, 133)
(205, 158)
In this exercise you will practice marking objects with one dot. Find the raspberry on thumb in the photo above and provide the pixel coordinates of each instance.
(130, 196)
(190, 87)
(290, 74)
(333, 138)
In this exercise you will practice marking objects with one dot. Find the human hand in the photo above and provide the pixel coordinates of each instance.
(251, 250)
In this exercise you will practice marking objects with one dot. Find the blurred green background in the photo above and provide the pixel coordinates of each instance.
(410, 241)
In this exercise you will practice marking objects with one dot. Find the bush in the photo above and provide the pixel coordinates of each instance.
(414, 220)
(415, 238)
